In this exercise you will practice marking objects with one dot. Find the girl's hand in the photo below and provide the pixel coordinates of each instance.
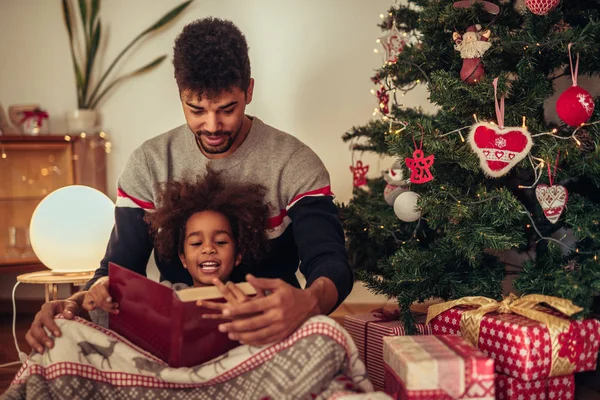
(98, 297)
(233, 296)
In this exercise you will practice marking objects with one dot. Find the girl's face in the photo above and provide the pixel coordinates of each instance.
(209, 250)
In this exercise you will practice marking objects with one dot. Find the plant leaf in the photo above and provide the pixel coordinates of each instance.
(146, 68)
(79, 80)
(94, 13)
(94, 44)
(84, 13)
(167, 17)
(80, 84)
(67, 17)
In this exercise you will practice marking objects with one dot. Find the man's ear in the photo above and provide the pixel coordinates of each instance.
(182, 258)
(238, 259)
(250, 91)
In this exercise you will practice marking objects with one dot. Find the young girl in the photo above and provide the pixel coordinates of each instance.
(212, 226)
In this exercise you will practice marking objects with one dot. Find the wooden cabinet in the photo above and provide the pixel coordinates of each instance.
(32, 167)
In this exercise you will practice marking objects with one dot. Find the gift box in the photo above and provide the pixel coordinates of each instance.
(526, 341)
(34, 122)
(368, 331)
(436, 367)
(557, 388)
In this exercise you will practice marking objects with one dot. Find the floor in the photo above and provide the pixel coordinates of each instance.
(588, 384)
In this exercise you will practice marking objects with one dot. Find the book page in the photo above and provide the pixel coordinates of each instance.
(210, 292)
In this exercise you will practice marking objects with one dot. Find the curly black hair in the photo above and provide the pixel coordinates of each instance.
(211, 55)
(242, 204)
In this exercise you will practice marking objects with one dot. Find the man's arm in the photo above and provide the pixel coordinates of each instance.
(323, 261)
(323, 257)
(130, 244)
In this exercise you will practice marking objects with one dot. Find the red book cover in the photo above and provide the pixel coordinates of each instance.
(164, 322)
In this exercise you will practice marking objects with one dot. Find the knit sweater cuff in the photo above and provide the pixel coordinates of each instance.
(341, 276)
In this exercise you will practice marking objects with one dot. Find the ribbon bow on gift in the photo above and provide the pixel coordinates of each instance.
(527, 306)
(37, 113)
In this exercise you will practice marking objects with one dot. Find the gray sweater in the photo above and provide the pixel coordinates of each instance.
(304, 226)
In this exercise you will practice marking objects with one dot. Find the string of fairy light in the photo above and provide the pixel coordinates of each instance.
(397, 126)
(538, 173)
(94, 141)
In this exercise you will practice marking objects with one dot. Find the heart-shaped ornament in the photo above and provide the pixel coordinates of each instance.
(553, 200)
(541, 7)
(499, 149)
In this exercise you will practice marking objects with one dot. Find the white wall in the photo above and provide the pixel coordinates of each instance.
(311, 60)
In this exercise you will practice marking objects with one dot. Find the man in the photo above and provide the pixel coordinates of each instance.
(212, 70)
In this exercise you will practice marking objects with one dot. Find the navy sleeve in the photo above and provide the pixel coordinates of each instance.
(130, 244)
(320, 240)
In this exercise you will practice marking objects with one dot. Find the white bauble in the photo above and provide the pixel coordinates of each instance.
(70, 227)
(406, 208)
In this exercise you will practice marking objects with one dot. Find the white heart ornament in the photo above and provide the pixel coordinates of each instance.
(553, 200)
(499, 149)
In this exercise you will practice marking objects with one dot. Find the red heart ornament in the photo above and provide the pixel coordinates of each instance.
(553, 200)
(541, 7)
(499, 149)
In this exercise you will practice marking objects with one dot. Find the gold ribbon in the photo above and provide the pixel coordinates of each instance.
(526, 306)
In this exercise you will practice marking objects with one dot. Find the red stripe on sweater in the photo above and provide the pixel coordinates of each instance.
(277, 220)
(324, 191)
(146, 205)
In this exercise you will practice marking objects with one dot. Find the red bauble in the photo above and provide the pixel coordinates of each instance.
(575, 106)
(472, 70)
(541, 7)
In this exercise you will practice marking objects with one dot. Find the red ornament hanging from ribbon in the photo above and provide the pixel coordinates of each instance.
(419, 165)
(575, 105)
(383, 98)
(360, 173)
(553, 198)
(499, 148)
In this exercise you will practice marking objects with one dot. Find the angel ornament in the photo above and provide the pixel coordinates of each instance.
(419, 167)
(472, 45)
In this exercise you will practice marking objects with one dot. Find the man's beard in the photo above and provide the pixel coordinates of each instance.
(222, 148)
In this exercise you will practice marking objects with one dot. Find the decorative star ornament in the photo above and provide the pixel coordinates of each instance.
(392, 43)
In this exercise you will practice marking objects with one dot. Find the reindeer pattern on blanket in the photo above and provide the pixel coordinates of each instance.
(318, 361)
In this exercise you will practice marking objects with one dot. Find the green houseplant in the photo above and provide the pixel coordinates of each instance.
(85, 37)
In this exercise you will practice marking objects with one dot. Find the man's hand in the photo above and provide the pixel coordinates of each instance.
(272, 318)
(98, 297)
(232, 294)
(36, 336)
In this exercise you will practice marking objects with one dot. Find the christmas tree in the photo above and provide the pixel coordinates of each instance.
(489, 172)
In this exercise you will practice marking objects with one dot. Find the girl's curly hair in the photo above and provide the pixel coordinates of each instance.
(242, 204)
(211, 55)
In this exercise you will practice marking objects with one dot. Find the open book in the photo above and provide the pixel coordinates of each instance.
(168, 323)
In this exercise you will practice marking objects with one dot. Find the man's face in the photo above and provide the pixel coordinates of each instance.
(217, 121)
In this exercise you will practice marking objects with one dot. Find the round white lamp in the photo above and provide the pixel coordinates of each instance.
(70, 228)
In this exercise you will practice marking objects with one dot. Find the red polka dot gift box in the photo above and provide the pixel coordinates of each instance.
(526, 339)
(557, 388)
